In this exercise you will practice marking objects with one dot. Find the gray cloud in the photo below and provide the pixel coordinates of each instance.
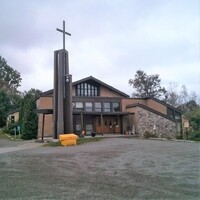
(110, 39)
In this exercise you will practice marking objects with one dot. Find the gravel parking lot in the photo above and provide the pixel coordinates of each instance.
(113, 168)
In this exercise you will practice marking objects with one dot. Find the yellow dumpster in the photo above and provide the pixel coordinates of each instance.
(68, 139)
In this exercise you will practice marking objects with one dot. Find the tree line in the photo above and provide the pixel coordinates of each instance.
(11, 99)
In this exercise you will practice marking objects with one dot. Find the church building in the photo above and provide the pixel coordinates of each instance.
(99, 108)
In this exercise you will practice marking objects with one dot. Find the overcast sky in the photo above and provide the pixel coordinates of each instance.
(111, 40)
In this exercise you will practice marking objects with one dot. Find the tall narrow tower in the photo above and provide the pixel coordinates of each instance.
(62, 95)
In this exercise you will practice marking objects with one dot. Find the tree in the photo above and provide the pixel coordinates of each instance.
(147, 85)
(181, 99)
(10, 97)
(29, 119)
(172, 96)
(10, 79)
(194, 119)
(190, 106)
(4, 107)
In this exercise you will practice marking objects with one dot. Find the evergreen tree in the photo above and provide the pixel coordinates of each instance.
(29, 116)
(4, 107)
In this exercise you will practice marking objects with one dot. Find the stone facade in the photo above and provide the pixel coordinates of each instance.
(151, 124)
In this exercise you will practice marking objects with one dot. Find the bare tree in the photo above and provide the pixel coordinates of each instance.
(181, 99)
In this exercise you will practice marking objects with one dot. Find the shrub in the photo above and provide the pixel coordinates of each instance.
(179, 137)
(12, 132)
(148, 134)
(4, 130)
(11, 128)
(194, 136)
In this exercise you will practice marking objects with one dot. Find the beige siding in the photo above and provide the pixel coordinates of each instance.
(48, 125)
(127, 101)
(105, 92)
(45, 103)
(16, 117)
(156, 106)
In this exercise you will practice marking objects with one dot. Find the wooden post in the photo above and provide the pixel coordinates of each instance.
(102, 124)
(81, 121)
(43, 120)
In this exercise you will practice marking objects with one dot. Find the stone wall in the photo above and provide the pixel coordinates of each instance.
(149, 123)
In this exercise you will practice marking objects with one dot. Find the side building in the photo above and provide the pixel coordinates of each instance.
(100, 108)
(13, 117)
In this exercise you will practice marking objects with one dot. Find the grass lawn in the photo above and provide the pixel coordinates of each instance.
(86, 140)
(3, 136)
(79, 141)
(8, 136)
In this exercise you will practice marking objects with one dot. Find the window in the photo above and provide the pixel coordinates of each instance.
(79, 106)
(87, 89)
(170, 113)
(12, 119)
(173, 114)
(107, 107)
(116, 107)
(177, 115)
(82, 89)
(78, 90)
(97, 107)
(88, 106)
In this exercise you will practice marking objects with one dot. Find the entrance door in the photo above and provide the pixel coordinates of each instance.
(88, 122)
(107, 124)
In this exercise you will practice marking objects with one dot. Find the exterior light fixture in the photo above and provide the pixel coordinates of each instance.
(67, 78)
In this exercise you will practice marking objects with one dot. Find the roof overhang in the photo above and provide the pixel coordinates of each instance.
(44, 111)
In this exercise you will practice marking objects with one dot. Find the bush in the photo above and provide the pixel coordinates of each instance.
(179, 137)
(195, 135)
(148, 134)
(4, 130)
(12, 132)
(11, 127)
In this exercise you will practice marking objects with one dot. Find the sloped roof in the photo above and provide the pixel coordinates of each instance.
(13, 111)
(47, 93)
(90, 78)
